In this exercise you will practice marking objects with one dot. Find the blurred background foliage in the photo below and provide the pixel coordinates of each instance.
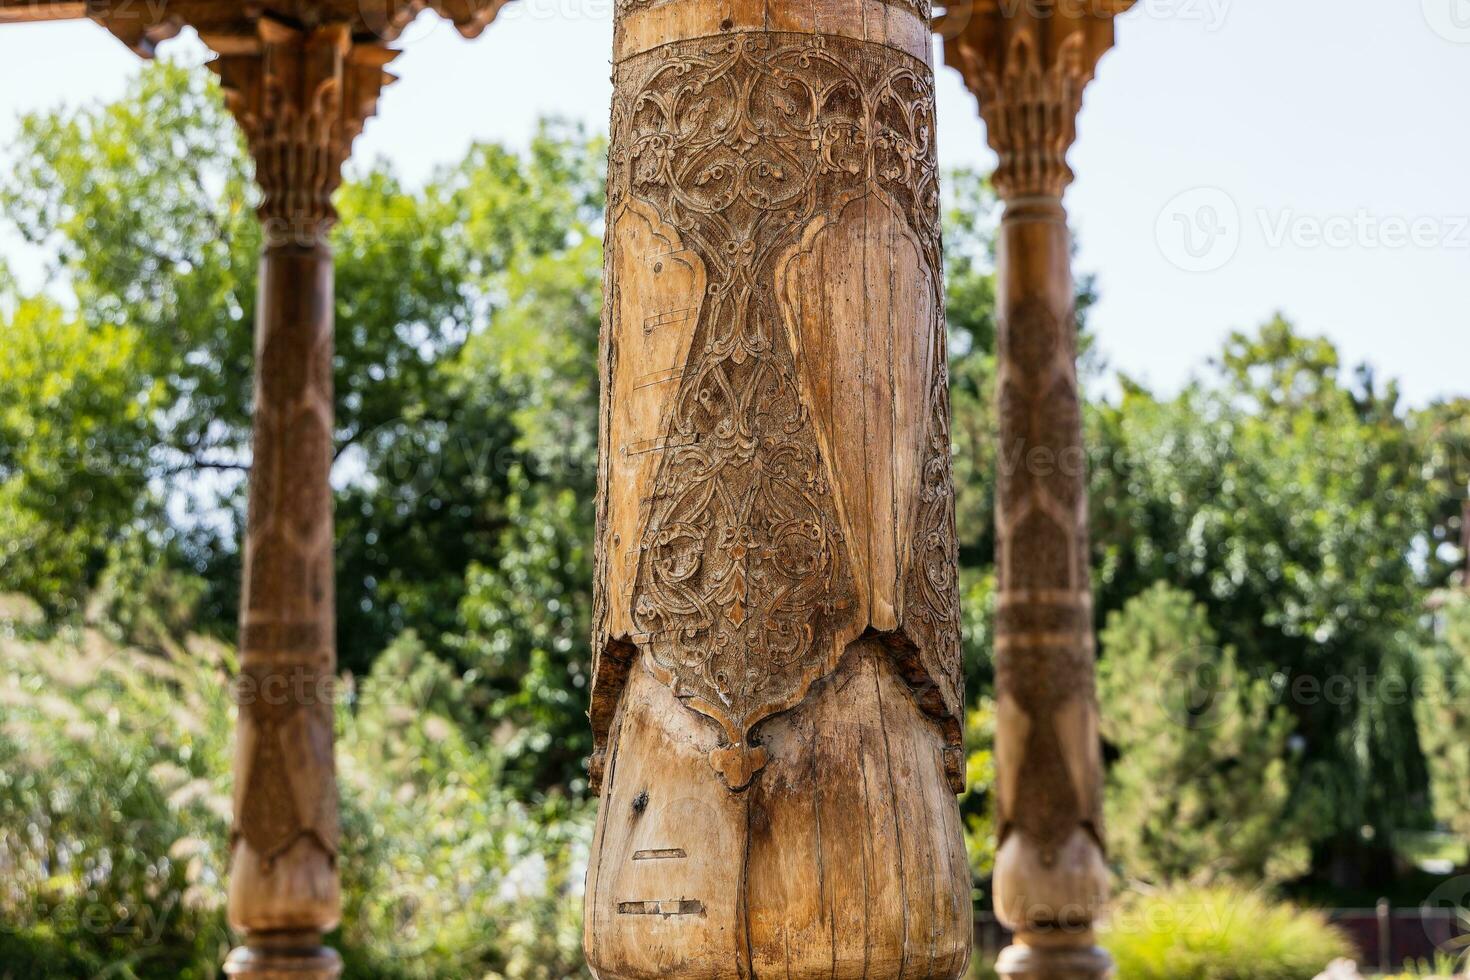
(1279, 527)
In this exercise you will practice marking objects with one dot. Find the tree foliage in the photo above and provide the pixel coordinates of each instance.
(467, 312)
(77, 429)
(1292, 503)
(1443, 706)
(1183, 716)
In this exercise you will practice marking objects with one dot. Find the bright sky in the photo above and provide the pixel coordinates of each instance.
(1235, 157)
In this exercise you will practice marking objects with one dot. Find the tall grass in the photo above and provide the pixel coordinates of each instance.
(114, 809)
(1442, 967)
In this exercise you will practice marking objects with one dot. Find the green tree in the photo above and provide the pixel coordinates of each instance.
(76, 432)
(1201, 789)
(1292, 504)
(491, 377)
(1443, 708)
(525, 618)
(1443, 430)
(146, 206)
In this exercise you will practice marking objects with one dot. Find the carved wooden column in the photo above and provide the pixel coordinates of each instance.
(301, 96)
(778, 692)
(1028, 67)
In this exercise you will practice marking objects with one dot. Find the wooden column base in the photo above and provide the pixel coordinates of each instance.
(284, 956)
(1054, 963)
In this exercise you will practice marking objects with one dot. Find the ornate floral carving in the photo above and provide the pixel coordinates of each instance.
(743, 576)
(932, 599)
(1028, 69)
(1044, 640)
(302, 97)
(285, 787)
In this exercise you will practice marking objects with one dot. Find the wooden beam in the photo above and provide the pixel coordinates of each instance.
(140, 23)
(38, 11)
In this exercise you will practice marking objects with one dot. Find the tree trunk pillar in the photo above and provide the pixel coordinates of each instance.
(1028, 69)
(777, 694)
(301, 96)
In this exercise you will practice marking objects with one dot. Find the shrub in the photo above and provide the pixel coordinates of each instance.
(1219, 933)
(114, 808)
(1442, 967)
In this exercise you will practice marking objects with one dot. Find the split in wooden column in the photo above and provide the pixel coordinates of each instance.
(778, 692)
(1028, 65)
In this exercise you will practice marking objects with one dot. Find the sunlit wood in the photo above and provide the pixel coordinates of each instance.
(778, 690)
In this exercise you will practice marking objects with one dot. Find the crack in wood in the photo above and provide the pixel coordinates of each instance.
(667, 908)
(660, 854)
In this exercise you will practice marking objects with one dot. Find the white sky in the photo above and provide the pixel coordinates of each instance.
(1235, 157)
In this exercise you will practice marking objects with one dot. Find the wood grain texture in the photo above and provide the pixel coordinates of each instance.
(777, 694)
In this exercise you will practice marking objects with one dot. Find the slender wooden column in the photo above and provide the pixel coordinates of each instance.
(778, 693)
(1028, 68)
(301, 97)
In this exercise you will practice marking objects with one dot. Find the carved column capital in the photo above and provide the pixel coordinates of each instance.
(1027, 62)
(301, 95)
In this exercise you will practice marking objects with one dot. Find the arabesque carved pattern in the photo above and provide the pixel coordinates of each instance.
(285, 779)
(1030, 91)
(933, 589)
(743, 575)
(302, 98)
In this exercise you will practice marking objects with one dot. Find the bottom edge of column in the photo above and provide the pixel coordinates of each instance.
(283, 957)
(1020, 962)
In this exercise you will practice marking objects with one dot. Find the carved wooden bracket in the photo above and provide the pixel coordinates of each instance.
(1027, 63)
(302, 97)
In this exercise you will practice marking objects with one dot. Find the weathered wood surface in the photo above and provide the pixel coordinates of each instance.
(777, 697)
